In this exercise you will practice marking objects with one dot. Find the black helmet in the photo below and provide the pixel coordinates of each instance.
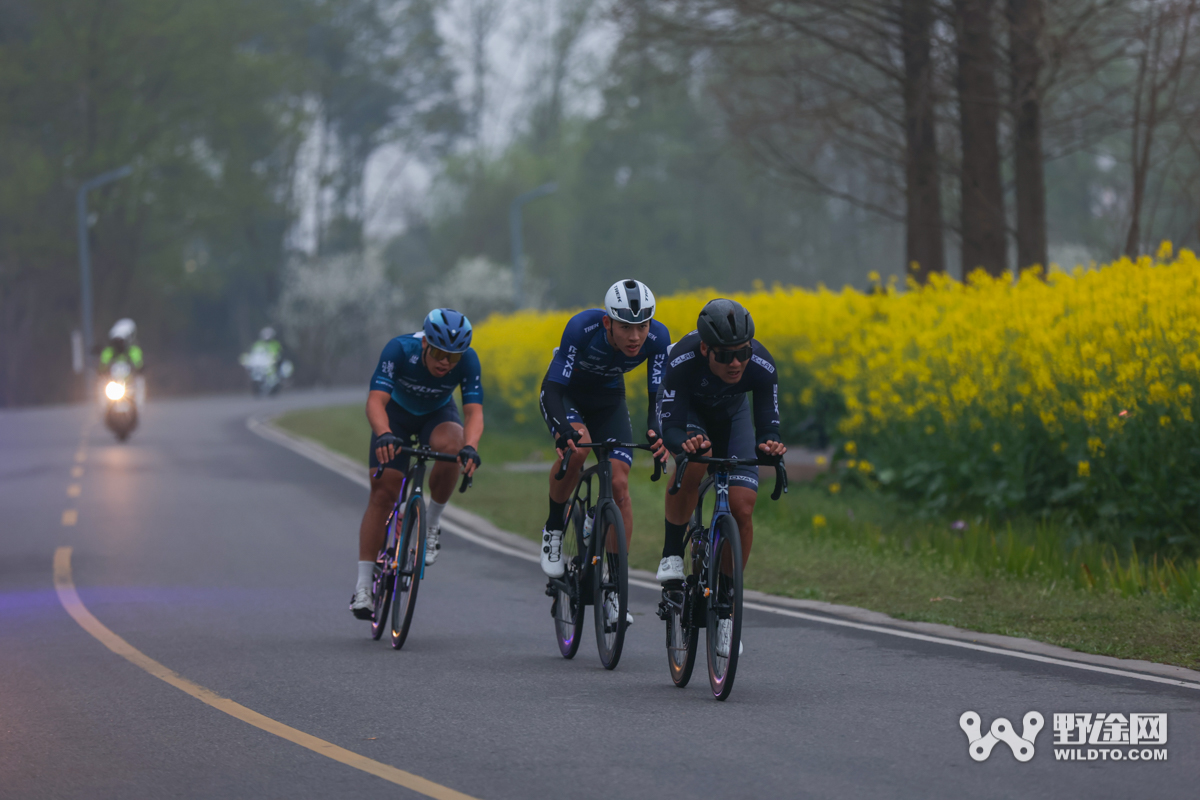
(724, 323)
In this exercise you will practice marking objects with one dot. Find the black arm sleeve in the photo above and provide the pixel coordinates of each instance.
(676, 403)
(554, 407)
(652, 415)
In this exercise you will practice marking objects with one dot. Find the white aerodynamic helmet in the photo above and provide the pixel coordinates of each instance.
(267, 334)
(124, 329)
(630, 301)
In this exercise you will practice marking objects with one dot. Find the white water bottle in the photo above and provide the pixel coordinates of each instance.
(588, 521)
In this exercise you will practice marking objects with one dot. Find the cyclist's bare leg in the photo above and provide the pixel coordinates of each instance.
(446, 438)
(560, 491)
(681, 504)
(620, 487)
(385, 490)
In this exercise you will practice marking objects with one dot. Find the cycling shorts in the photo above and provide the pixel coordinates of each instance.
(409, 427)
(606, 417)
(731, 432)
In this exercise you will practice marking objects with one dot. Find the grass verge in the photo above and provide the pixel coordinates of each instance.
(863, 549)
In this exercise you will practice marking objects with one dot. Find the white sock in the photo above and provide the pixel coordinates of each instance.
(433, 514)
(366, 574)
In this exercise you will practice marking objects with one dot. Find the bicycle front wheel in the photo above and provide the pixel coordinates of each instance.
(410, 563)
(724, 605)
(384, 581)
(610, 579)
(683, 632)
(568, 602)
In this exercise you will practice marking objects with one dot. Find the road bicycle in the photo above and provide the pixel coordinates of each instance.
(400, 565)
(712, 586)
(596, 568)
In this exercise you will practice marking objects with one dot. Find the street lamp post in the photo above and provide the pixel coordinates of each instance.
(514, 224)
(85, 260)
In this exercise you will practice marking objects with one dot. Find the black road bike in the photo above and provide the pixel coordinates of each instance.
(596, 566)
(400, 565)
(711, 590)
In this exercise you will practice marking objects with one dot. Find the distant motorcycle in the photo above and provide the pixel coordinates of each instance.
(121, 411)
(265, 377)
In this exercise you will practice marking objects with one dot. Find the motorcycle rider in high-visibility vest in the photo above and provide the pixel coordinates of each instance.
(123, 347)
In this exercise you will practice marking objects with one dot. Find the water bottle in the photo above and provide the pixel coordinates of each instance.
(588, 521)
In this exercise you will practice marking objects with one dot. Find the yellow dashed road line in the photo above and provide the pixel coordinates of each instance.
(69, 598)
(70, 517)
(76, 472)
(74, 490)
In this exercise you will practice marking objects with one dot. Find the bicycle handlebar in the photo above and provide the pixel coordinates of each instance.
(425, 454)
(610, 445)
(781, 482)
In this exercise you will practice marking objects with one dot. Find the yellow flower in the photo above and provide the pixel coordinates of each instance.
(1095, 445)
(1164, 421)
(851, 464)
(864, 467)
(822, 461)
(851, 448)
(818, 521)
(996, 448)
(834, 488)
(1085, 469)
(930, 430)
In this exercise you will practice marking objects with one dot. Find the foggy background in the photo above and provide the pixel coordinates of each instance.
(337, 168)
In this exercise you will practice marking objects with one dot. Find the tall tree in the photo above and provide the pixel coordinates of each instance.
(923, 196)
(982, 193)
(1026, 23)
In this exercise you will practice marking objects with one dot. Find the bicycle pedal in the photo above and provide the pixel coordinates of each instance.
(550, 590)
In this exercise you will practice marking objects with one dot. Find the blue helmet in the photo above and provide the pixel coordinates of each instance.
(447, 329)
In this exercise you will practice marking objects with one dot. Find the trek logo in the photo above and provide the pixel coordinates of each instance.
(690, 354)
(979, 746)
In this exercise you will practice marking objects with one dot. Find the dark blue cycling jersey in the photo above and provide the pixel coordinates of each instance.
(586, 365)
(690, 388)
(586, 361)
(402, 375)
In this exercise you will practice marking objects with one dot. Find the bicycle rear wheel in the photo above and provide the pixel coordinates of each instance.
(724, 602)
(610, 579)
(683, 632)
(384, 581)
(409, 566)
(568, 605)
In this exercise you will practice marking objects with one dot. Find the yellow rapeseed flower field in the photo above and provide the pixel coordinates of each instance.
(991, 392)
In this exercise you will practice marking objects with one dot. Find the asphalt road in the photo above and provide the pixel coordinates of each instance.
(230, 560)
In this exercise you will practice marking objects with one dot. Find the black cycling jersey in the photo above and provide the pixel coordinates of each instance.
(689, 386)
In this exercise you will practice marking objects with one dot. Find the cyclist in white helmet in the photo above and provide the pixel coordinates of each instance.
(583, 397)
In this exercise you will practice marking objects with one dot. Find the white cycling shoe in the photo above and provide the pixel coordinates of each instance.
(433, 544)
(724, 634)
(552, 563)
(612, 609)
(361, 604)
(670, 569)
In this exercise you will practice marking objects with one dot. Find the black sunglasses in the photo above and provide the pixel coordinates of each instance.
(728, 356)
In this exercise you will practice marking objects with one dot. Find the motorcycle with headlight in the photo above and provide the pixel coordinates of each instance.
(120, 411)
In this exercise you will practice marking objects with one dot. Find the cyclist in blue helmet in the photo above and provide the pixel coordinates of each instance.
(412, 397)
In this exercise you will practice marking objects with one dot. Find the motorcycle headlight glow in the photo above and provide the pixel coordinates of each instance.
(114, 390)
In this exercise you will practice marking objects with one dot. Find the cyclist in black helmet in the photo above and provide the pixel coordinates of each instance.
(702, 406)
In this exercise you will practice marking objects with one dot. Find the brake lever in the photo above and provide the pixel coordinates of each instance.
(467, 480)
(680, 461)
(781, 482)
(562, 470)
